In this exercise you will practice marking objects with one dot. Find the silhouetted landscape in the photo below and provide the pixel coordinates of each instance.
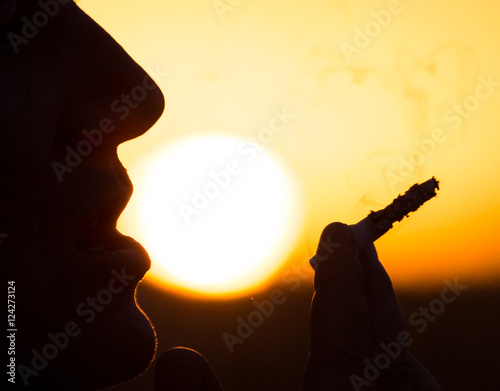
(460, 347)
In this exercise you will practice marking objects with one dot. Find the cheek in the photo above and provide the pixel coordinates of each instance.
(26, 143)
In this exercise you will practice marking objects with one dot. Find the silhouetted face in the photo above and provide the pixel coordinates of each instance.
(69, 95)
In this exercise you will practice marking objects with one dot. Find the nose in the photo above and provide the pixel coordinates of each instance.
(100, 85)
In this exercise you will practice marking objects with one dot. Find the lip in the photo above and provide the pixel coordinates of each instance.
(123, 254)
(132, 255)
(99, 241)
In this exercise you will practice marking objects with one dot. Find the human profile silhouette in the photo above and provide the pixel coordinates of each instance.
(69, 95)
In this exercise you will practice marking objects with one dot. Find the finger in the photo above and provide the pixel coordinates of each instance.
(339, 313)
(183, 369)
(387, 325)
(385, 313)
(340, 321)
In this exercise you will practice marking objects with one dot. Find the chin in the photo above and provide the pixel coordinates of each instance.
(114, 348)
(128, 350)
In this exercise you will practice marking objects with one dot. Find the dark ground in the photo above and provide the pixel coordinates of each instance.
(461, 347)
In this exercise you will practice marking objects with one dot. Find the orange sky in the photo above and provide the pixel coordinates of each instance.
(386, 94)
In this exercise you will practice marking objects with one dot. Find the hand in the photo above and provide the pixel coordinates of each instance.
(354, 315)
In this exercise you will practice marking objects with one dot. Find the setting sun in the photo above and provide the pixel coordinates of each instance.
(215, 214)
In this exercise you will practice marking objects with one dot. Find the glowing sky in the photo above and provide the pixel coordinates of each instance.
(385, 94)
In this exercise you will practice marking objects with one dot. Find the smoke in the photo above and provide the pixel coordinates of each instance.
(426, 88)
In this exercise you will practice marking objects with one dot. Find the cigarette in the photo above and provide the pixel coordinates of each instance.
(378, 223)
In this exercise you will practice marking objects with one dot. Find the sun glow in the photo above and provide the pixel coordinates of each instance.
(215, 213)
(383, 98)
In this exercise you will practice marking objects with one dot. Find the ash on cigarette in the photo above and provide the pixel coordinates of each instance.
(413, 199)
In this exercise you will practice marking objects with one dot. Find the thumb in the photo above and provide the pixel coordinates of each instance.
(339, 311)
